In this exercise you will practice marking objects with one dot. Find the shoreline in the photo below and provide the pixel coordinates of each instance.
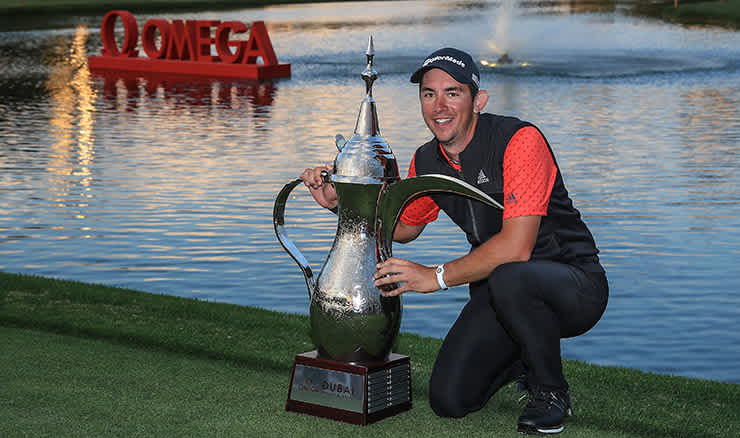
(714, 13)
(724, 13)
(71, 7)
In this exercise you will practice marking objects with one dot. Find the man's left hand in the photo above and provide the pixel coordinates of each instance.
(408, 275)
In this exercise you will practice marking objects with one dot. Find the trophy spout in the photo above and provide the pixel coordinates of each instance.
(278, 220)
(340, 141)
(395, 196)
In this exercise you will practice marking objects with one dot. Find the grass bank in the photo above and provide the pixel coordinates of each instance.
(725, 12)
(88, 360)
(52, 7)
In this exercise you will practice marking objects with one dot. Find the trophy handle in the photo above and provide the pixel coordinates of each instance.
(278, 219)
(396, 195)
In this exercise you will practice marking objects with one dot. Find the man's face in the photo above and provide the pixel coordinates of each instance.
(447, 108)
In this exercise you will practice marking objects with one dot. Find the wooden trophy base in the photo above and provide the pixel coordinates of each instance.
(353, 393)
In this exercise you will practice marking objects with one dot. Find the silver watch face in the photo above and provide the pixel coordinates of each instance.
(440, 270)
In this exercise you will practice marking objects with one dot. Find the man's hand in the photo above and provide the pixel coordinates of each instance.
(324, 194)
(409, 275)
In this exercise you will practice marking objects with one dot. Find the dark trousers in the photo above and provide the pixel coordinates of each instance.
(517, 316)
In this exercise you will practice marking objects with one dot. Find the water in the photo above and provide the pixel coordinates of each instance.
(168, 186)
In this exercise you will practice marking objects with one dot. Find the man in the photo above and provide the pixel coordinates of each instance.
(533, 269)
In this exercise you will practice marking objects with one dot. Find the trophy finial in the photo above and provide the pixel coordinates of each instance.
(369, 75)
(365, 158)
(370, 49)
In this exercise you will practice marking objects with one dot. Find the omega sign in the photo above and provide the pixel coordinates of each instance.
(187, 47)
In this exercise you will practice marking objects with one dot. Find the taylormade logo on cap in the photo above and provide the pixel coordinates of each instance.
(443, 58)
(456, 63)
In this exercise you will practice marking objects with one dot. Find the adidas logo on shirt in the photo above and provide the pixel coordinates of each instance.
(511, 199)
(482, 178)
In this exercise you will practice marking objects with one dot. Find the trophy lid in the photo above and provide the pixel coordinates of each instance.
(366, 158)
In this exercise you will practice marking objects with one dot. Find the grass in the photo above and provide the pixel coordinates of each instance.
(88, 360)
(725, 12)
(30, 7)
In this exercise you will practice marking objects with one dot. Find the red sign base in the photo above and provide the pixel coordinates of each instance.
(190, 68)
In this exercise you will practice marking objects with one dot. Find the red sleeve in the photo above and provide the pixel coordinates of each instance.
(529, 174)
(421, 210)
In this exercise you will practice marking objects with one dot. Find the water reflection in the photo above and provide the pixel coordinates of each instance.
(709, 159)
(72, 117)
(128, 91)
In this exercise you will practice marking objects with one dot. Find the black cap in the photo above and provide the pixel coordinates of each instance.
(456, 63)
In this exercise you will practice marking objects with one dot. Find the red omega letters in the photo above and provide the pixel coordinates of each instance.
(186, 47)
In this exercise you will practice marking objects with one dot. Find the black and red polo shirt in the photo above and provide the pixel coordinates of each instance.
(512, 162)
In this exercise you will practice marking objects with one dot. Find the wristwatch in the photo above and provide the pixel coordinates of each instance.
(440, 271)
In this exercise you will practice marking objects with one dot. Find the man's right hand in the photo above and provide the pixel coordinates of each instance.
(324, 193)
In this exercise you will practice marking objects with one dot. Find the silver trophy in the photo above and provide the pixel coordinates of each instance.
(353, 326)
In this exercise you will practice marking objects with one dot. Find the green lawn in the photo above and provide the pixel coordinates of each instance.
(29, 7)
(86, 360)
(726, 12)
(717, 12)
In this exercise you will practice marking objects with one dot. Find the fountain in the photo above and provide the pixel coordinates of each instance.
(502, 43)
